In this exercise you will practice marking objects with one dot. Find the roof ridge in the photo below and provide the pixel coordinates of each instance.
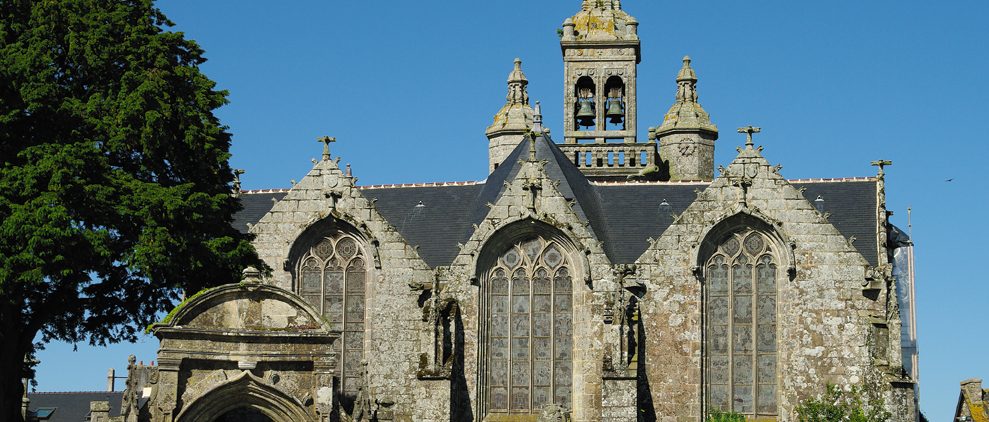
(271, 190)
(76, 392)
(646, 182)
(701, 182)
(421, 184)
(834, 179)
(593, 182)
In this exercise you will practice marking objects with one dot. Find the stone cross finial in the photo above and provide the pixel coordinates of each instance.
(326, 140)
(882, 166)
(748, 131)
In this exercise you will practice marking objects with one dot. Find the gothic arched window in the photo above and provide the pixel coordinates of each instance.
(333, 275)
(529, 314)
(740, 331)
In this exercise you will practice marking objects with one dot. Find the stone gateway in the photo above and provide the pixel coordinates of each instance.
(602, 278)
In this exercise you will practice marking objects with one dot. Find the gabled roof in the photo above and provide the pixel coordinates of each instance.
(72, 406)
(447, 214)
(852, 206)
(434, 218)
(635, 213)
(623, 215)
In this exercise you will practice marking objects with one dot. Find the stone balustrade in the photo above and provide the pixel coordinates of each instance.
(611, 159)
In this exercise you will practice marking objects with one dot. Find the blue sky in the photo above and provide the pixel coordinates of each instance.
(409, 87)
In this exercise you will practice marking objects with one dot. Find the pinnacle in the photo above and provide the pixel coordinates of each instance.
(686, 72)
(686, 113)
(517, 75)
(537, 119)
(515, 115)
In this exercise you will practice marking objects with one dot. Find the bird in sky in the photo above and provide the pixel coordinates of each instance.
(948, 180)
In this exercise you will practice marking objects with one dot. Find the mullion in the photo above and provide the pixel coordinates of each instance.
(509, 338)
(552, 335)
(731, 337)
(532, 359)
(755, 334)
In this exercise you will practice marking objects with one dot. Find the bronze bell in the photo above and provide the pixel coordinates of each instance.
(616, 110)
(585, 114)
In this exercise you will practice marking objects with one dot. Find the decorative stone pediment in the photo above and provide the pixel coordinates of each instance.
(246, 307)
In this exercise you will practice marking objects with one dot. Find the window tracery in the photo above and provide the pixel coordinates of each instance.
(529, 316)
(740, 329)
(333, 277)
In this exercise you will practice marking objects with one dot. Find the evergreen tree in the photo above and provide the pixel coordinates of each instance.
(114, 181)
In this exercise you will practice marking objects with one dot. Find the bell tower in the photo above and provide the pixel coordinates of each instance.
(600, 58)
(600, 54)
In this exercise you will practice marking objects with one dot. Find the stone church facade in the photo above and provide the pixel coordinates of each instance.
(602, 278)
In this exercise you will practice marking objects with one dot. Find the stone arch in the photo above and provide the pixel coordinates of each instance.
(513, 231)
(318, 228)
(712, 237)
(245, 390)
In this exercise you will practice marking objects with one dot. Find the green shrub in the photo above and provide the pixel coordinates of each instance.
(837, 405)
(719, 416)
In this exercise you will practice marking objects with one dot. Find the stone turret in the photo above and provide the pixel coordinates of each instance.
(686, 137)
(512, 122)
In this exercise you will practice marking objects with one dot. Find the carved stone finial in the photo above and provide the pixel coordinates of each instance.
(537, 119)
(517, 92)
(251, 275)
(326, 140)
(748, 131)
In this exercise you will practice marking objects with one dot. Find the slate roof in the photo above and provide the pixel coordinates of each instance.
(255, 205)
(437, 225)
(635, 213)
(73, 406)
(852, 205)
(623, 215)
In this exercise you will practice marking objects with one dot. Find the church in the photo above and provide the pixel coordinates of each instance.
(592, 276)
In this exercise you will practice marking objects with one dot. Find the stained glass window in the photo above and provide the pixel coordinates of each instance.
(740, 328)
(332, 278)
(529, 329)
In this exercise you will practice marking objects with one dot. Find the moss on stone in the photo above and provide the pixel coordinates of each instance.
(182, 304)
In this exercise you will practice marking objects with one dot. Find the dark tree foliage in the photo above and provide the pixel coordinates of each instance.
(114, 181)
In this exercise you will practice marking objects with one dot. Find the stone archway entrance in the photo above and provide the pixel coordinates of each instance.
(245, 398)
(244, 352)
